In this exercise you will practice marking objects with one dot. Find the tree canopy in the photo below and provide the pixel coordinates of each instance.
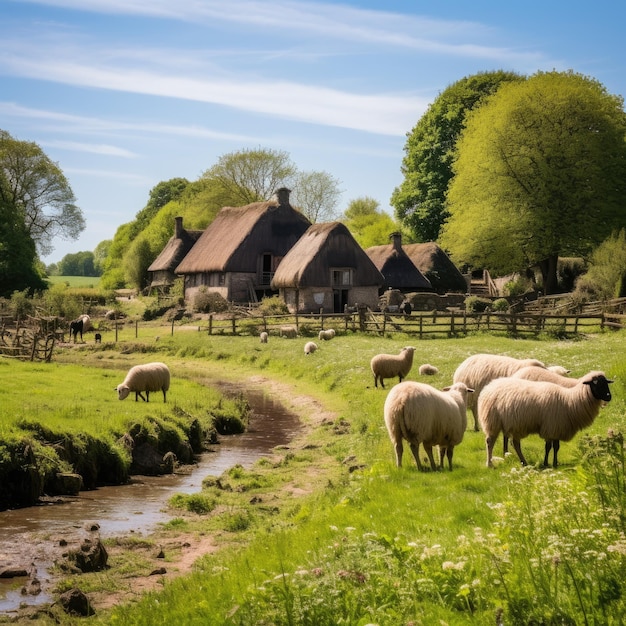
(367, 223)
(317, 195)
(419, 201)
(37, 189)
(540, 172)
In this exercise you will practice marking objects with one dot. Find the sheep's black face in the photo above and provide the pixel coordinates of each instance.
(599, 386)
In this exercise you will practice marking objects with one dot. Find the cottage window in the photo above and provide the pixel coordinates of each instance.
(341, 277)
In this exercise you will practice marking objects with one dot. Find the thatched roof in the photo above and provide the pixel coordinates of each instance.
(322, 247)
(175, 249)
(437, 267)
(237, 235)
(397, 268)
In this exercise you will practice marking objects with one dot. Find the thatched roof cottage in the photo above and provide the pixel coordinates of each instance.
(163, 267)
(437, 267)
(397, 268)
(328, 270)
(239, 252)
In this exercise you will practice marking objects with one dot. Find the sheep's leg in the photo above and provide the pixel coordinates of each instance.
(548, 447)
(415, 449)
(399, 450)
(147, 396)
(429, 452)
(505, 445)
(518, 448)
(138, 395)
(164, 398)
(490, 441)
(556, 444)
(446, 452)
(475, 414)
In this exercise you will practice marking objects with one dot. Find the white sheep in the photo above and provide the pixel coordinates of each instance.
(392, 365)
(480, 369)
(326, 335)
(428, 370)
(310, 347)
(422, 414)
(148, 377)
(263, 337)
(518, 408)
(288, 331)
(559, 369)
(548, 375)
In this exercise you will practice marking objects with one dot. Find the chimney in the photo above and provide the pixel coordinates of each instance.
(178, 227)
(397, 240)
(282, 195)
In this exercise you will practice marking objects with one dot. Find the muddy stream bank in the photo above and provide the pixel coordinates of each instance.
(29, 537)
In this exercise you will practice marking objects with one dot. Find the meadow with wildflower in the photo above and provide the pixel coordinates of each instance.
(328, 531)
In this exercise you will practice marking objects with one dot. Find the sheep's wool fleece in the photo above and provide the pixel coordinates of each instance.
(148, 377)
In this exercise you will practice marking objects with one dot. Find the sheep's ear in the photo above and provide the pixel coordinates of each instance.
(446, 389)
(470, 390)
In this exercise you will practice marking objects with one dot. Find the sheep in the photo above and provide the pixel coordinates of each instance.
(480, 369)
(391, 365)
(288, 331)
(79, 325)
(546, 375)
(518, 408)
(428, 370)
(310, 347)
(326, 335)
(559, 369)
(422, 414)
(148, 377)
(263, 337)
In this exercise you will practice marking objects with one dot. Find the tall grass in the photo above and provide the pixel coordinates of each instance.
(339, 535)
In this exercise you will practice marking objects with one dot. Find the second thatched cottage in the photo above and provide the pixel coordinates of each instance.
(238, 253)
(327, 270)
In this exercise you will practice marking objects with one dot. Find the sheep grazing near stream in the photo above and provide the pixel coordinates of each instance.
(392, 365)
(422, 414)
(145, 378)
(480, 369)
(518, 408)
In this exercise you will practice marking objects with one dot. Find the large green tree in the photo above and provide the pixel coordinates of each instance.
(37, 190)
(367, 223)
(540, 172)
(419, 201)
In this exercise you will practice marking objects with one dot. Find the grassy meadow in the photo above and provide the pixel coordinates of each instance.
(328, 530)
(75, 281)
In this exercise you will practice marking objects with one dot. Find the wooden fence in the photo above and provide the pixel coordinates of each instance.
(422, 325)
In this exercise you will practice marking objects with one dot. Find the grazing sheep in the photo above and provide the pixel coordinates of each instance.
(480, 369)
(148, 377)
(428, 370)
(288, 331)
(263, 337)
(310, 347)
(422, 414)
(326, 335)
(533, 372)
(392, 365)
(79, 326)
(518, 408)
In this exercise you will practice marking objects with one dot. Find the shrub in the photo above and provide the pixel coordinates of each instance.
(273, 306)
(501, 305)
(474, 304)
(207, 301)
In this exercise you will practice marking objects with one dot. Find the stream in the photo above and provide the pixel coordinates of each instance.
(136, 507)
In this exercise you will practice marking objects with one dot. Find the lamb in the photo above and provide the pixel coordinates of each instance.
(428, 370)
(310, 347)
(518, 408)
(480, 369)
(263, 337)
(326, 335)
(148, 377)
(422, 414)
(391, 365)
(79, 325)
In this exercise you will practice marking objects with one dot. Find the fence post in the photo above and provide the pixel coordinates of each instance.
(137, 328)
(116, 326)
(322, 319)
(172, 331)
(234, 325)
(211, 324)
(421, 324)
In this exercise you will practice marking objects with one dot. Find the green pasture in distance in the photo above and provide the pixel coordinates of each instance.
(75, 281)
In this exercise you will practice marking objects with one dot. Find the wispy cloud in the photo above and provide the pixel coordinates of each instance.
(102, 149)
(341, 22)
(378, 113)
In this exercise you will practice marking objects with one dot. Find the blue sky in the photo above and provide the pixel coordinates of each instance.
(123, 94)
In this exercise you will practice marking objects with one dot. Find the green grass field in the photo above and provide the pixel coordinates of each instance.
(366, 542)
(75, 281)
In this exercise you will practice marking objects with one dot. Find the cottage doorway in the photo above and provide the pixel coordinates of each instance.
(340, 300)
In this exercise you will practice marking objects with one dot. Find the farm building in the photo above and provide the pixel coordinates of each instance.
(437, 267)
(162, 268)
(397, 268)
(327, 269)
(238, 253)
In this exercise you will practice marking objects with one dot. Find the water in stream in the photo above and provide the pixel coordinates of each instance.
(133, 508)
